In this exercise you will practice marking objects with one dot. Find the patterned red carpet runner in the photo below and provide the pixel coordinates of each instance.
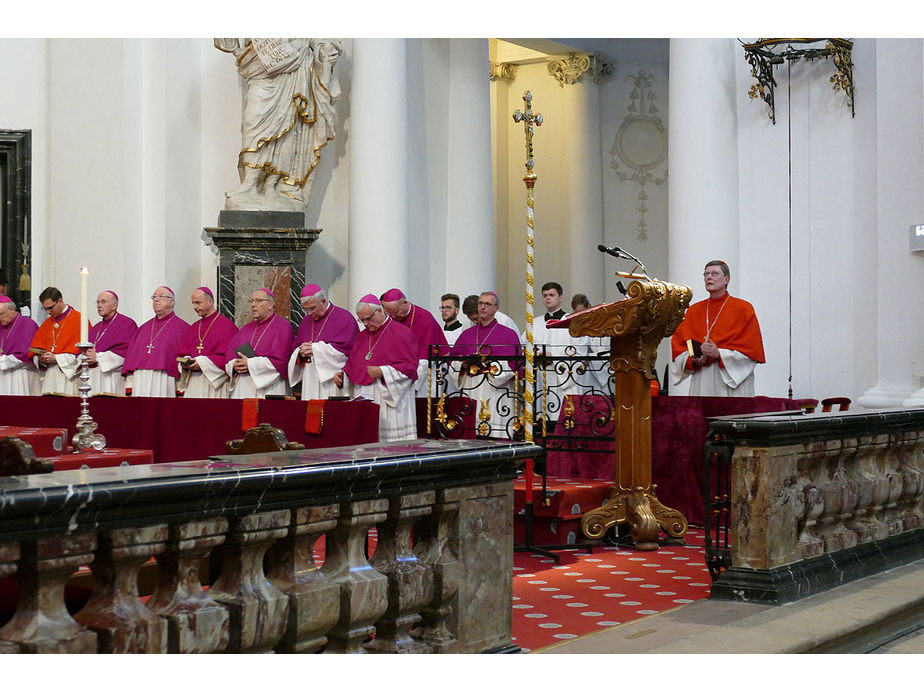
(589, 592)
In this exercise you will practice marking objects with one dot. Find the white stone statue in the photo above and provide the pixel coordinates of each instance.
(287, 117)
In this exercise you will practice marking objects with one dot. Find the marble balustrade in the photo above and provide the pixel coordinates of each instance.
(819, 500)
(439, 578)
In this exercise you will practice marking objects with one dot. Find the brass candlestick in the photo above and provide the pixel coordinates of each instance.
(86, 437)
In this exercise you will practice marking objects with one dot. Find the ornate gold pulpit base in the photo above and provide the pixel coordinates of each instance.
(651, 310)
(642, 511)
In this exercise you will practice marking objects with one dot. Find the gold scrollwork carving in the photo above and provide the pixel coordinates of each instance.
(442, 416)
(484, 417)
(506, 71)
(569, 69)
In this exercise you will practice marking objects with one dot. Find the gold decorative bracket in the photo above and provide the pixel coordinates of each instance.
(765, 54)
(506, 71)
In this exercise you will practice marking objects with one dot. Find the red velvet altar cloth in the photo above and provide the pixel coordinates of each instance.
(679, 427)
(192, 429)
(45, 442)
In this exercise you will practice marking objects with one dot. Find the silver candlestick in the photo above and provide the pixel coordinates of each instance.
(86, 438)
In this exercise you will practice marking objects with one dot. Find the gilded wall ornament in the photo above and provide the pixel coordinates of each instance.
(641, 144)
(571, 68)
(506, 71)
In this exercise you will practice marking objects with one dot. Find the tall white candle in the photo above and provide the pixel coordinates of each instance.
(84, 276)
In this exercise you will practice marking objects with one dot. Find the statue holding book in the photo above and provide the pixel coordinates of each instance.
(288, 117)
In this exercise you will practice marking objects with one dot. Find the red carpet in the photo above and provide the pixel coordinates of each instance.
(589, 592)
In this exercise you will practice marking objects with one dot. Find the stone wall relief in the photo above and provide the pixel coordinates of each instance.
(640, 144)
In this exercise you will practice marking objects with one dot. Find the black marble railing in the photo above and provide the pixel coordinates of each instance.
(439, 578)
(815, 501)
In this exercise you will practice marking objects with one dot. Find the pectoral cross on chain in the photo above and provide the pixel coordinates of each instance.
(528, 119)
(199, 348)
(149, 347)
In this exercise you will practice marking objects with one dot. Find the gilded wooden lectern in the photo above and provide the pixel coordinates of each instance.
(651, 310)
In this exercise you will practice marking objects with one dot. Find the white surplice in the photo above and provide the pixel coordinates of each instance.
(18, 377)
(394, 393)
(149, 383)
(736, 379)
(60, 377)
(209, 382)
(317, 376)
(262, 379)
(493, 391)
(561, 377)
(107, 375)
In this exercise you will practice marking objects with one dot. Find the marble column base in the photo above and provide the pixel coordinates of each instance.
(253, 257)
(804, 578)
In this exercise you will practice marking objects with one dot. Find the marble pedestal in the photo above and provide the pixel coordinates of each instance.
(258, 249)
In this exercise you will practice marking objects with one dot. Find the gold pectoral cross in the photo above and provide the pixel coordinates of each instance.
(199, 348)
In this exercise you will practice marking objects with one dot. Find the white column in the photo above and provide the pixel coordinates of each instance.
(583, 201)
(378, 139)
(899, 103)
(703, 145)
(469, 264)
(153, 132)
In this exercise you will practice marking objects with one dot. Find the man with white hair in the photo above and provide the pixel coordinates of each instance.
(202, 350)
(18, 375)
(426, 330)
(151, 356)
(322, 345)
(382, 366)
(256, 356)
(110, 337)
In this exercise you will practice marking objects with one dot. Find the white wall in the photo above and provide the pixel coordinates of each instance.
(837, 224)
(24, 106)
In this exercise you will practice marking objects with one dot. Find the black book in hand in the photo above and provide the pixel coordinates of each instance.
(246, 350)
(695, 347)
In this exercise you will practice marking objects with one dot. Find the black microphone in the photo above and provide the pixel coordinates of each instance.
(615, 251)
(622, 289)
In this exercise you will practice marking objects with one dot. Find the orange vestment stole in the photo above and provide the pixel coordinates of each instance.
(61, 336)
(736, 327)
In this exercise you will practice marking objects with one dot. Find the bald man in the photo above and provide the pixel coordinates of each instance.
(110, 337)
(151, 357)
(202, 349)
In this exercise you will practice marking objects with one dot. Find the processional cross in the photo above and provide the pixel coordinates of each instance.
(528, 118)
